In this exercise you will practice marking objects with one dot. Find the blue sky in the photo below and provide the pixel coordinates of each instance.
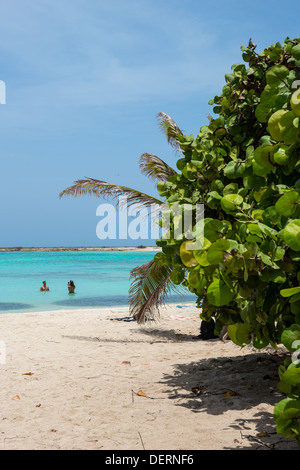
(85, 80)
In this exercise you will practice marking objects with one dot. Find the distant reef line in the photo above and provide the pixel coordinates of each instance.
(78, 248)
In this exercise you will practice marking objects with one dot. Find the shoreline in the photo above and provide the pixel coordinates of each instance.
(77, 248)
(102, 309)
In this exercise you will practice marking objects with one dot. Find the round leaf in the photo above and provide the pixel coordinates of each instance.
(291, 235)
(281, 156)
(260, 340)
(262, 112)
(200, 255)
(212, 229)
(291, 337)
(253, 182)
(197, 280)
(187, 256)
(234, 169)
(231, 202)
(288, 203)
(296, 52)
(239, 333)
(288, 131)
(218, 293)
(273, 125)
(295, 102)
(292, 376)
(276, 74)
(217, 250)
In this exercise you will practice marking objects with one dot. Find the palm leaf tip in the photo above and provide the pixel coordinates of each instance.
(170, 128)
(150, 285)
(155, 168)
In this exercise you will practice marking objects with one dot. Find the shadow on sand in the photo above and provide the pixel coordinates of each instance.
(251, 381)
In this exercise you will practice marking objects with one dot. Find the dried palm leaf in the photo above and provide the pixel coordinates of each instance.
(170, 128)
(98, 188)
(155, 168)
(150, 285)
(210, 118)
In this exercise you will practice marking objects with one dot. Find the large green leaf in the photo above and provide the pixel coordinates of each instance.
(276, 74)
(290, 337)
(290, 133)
(274, 126)
(281, 155)
(289, 292)
(187, 256)
(262, 112)
(253, 182)
(214, 228)
(234, 169)
(281, 126)
(197, 280)
(286, 415)
(231, 202)
(200, 255)
(218, 293)
(260, 340)
(262, 156)
(291, 234)
(296, 51)
(260, 170)
(292, 376)
(282, 415)
(240, 333)
(254, 229)
(295, 102)
(217, 250)
(288, 203)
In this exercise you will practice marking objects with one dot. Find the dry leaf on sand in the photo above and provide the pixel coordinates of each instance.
(229, 394)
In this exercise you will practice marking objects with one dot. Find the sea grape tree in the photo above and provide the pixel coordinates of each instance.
(244, 167)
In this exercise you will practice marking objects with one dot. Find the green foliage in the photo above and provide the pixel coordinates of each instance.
(287, 411)
(244, 166)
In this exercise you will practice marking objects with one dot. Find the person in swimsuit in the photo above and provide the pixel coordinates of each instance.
(71, 287)
(44, 287)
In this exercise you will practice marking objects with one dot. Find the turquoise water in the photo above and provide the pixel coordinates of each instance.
(101, 279)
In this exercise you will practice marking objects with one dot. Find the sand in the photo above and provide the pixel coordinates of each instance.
(78, 380)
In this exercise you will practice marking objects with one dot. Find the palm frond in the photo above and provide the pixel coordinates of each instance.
(149, 287)
(170, 128)
(155, 168)
(98, 188)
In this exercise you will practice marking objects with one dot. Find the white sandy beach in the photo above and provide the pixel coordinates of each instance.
(79, 380)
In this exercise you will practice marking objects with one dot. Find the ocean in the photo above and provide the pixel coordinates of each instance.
(101, 279)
